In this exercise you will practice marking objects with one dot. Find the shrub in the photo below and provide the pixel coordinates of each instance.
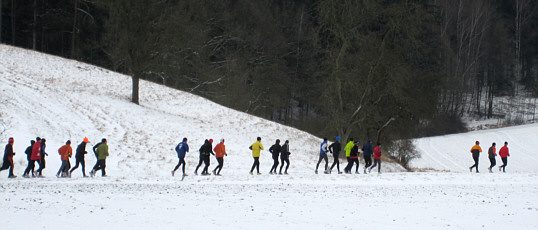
(403, 151)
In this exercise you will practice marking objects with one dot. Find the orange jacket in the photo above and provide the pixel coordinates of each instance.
(220, 150)
(476, 147)
(65, 151)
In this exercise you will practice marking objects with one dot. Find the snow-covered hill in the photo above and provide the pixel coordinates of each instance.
(60, 99)
(47, 96)
(452, 152)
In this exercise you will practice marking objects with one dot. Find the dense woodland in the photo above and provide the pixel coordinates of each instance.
(381, 70)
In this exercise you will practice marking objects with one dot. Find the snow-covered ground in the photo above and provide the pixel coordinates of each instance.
(452, 152)
(47, 96)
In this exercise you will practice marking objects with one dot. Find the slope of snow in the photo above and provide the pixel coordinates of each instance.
(452, 152)
(46, 96)
(60, 99)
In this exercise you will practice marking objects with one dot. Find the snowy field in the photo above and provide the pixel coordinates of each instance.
(387, 201)
(47, 96)
(452, 152)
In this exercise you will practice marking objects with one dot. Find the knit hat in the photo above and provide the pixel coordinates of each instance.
(85, 140)
(211, 140)
(337, 138)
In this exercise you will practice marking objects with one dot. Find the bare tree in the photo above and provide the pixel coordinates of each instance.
(74, 28)
(13, 17)
(463, 31)
(0, 21)
(133, 35)
(371, 85)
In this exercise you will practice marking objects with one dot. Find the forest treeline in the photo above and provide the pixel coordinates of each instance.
(381, 70)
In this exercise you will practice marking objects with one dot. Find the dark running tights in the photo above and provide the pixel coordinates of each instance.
(41, 166)
(336, 162)
(181, 162)
(206, 164)
(376, 163)
(220, 160)
(31, 166)
(256, 164)
(323, 157)
(492, 162)
(475, 158)
(367, 162)
(100, 165)
(287, 161)
(354, 161)
(8, 164)
(82, 163)
(275, 164)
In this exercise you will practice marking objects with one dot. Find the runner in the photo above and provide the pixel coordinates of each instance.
(65, 152)
(504, 153)
(28, 152)
(323, 149)
(79, 157)
(367, 152)
(335, 149)
(476, 150)
(182, 148)
(492, 155)
(220, 152)
(377, 158)
(348, 148)
(285, 157)
(275, 151)
(8, 158)
(102, 154)
(354, 158)
(256, 148)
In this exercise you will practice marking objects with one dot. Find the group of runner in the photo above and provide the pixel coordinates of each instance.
(492, 154)
(205, 151)
(219, 151)
(35, 153)
(282, 153)
(352, 155)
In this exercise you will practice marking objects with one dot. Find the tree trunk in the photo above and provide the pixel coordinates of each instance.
(136, 82)
(13, 22)
(534, 110)
(74, 30)
(490, 101)
(0, 21)
(34, 27)
(380, 130)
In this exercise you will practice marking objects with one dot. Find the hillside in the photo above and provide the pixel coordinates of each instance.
(452, 152)
(60, 99)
